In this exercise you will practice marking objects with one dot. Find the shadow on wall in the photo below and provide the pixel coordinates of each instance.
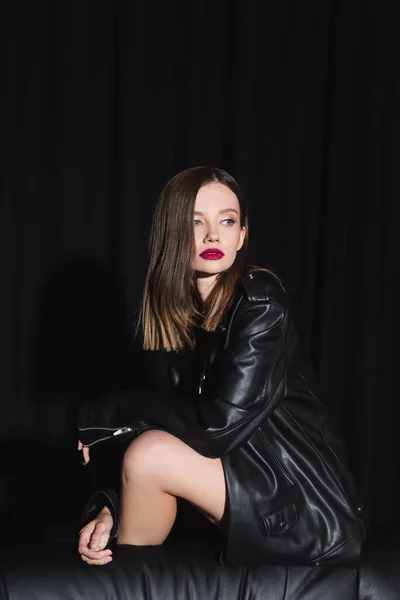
(83, 348)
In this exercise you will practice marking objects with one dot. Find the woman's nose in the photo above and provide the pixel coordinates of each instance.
(212, 236)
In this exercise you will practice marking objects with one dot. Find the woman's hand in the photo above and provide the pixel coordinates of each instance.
(85, 452)
(93, 538)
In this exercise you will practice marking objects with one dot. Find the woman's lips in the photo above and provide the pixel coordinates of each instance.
(212, 254)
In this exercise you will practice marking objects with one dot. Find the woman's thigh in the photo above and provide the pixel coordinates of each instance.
(164, 460)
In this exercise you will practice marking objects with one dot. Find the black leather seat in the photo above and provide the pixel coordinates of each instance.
(189, 570)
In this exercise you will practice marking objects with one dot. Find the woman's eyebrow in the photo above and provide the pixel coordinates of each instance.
(224, 210)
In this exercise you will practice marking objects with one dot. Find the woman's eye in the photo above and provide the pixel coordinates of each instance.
(228, 221)
(196, 222)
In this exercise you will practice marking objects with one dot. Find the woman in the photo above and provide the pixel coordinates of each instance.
(238, 429)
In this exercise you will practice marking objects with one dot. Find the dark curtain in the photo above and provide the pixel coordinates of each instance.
(101, 103)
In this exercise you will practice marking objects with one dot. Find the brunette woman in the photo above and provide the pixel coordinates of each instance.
(239, 429)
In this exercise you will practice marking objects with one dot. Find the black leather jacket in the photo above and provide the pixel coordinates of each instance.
(247, 396)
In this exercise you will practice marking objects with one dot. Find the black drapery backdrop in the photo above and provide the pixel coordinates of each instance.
(102, 102)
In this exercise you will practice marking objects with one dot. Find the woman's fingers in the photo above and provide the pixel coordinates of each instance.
(96, 555)
(93, 539)
(99, 557)
(86, 456)
(99, 561)
(101, 534)
(85, 452)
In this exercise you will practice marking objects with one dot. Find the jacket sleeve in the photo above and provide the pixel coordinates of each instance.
(248, 381)
(97, 501)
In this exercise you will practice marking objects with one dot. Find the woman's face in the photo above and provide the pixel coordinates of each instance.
(217, 231)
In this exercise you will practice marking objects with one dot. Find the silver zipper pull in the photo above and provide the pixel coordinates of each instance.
(122, 430)
(202, 378)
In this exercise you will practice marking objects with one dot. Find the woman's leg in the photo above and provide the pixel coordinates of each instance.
(157, 468)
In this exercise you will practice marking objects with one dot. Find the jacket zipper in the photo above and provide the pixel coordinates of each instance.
(357, 509)
(116, 432)
(275, 457)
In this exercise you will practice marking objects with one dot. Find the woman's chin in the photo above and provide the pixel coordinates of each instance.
(212, 269)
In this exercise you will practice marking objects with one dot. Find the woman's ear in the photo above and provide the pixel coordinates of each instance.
(242, 238)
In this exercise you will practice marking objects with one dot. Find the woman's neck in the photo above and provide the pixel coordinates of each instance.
(205, 284)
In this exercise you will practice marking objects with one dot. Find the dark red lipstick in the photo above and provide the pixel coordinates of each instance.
(212, 254)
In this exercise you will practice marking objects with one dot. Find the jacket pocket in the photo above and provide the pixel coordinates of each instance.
(281, 520)
(275, 458)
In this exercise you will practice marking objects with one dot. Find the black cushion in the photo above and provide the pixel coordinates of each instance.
(190, 570)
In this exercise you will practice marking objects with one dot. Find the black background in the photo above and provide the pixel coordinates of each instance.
(101, 103)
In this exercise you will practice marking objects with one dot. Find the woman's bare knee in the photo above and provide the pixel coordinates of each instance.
(146, 454)
(158, 459)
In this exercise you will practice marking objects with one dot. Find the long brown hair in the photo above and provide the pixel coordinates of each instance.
(171, 302)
